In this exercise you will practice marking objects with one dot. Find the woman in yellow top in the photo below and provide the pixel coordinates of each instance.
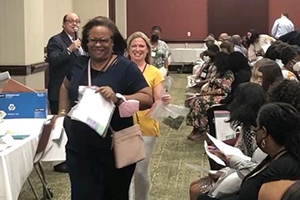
(139, 50)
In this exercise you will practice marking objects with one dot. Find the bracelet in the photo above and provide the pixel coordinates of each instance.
(62, 111)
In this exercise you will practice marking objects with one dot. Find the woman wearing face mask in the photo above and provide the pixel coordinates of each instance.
(290, 56)
(242, 103)
(278, 135)
(90, 157)
(159, 49)
(140, 53)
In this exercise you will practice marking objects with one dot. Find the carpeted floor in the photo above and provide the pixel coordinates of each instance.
(169, 175)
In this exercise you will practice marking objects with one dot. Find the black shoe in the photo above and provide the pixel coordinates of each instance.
(62, 167)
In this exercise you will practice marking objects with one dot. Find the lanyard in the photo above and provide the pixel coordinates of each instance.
(103, 69)
(89, 74)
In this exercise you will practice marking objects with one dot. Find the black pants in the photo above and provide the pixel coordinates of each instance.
(91, 165)
(93, 180)
(53, 107)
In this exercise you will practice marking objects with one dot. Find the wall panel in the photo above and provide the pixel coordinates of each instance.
(176, 17)
(237, 16)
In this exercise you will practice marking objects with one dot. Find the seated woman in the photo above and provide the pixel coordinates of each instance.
(257, 45)
(215, 90)
(238, 64)
(278, 135)
(269, 73)
(243, 103)
(203, 73)
(290, 56)
(286, 91)
(256, 75)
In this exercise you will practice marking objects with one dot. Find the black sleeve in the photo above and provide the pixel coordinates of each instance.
(285, 168)
(56, 53)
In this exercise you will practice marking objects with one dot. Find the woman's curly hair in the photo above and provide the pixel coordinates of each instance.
(287, 91)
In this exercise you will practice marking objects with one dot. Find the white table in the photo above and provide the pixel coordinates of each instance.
(185, 55)
(16, 162)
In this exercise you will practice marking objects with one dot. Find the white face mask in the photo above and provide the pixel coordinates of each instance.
(206, 58)
(296, 66)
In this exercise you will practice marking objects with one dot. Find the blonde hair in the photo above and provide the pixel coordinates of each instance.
(257, 65)
(142, 35)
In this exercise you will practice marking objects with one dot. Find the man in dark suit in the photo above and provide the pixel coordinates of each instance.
(62, 50)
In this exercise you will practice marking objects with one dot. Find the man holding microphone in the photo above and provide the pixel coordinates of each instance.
(62, 50)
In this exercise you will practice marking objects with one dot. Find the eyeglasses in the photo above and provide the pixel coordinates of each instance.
(102, 41)
(71, 21)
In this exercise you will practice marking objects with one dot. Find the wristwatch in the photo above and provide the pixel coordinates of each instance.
(69, 51)
(120, 99)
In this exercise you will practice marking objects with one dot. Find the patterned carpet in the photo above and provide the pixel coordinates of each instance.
(169, 175)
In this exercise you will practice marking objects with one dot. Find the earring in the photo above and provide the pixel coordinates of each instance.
(263, 143)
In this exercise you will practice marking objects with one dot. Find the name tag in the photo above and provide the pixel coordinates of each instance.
(153, 53)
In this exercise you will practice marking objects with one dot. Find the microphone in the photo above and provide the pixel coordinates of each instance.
(75, 33)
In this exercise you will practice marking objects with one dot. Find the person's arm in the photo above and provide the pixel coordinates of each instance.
(144, 96)
(158, 91)
(166, 63)
(167, 55)
(242, 166)
(274, 28)
(64, 102)
(57, 54)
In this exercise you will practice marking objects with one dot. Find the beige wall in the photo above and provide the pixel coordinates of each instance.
(34, 31)
(12, 46)
(89, 9)
(121, 16)
(54, 10)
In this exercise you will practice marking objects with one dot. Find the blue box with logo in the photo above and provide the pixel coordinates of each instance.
(24, 104)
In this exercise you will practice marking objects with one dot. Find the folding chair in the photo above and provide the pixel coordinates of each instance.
(212, 114)
(42, 144)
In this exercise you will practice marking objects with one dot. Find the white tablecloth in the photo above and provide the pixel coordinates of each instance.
(185, 55)
(16, 162)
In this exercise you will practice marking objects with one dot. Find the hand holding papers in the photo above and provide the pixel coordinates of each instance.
(93, 110)
(225, 149)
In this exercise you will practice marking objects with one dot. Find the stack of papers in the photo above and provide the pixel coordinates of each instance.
(93, 110)
(225, 149)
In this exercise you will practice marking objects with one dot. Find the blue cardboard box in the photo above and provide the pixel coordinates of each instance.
(24, 104)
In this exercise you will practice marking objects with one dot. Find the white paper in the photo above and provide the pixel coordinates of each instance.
(200, 168)
(226, 149)
(7, 139)
(93, 110)
(58, 128)
(21, 126)
(212, 156)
